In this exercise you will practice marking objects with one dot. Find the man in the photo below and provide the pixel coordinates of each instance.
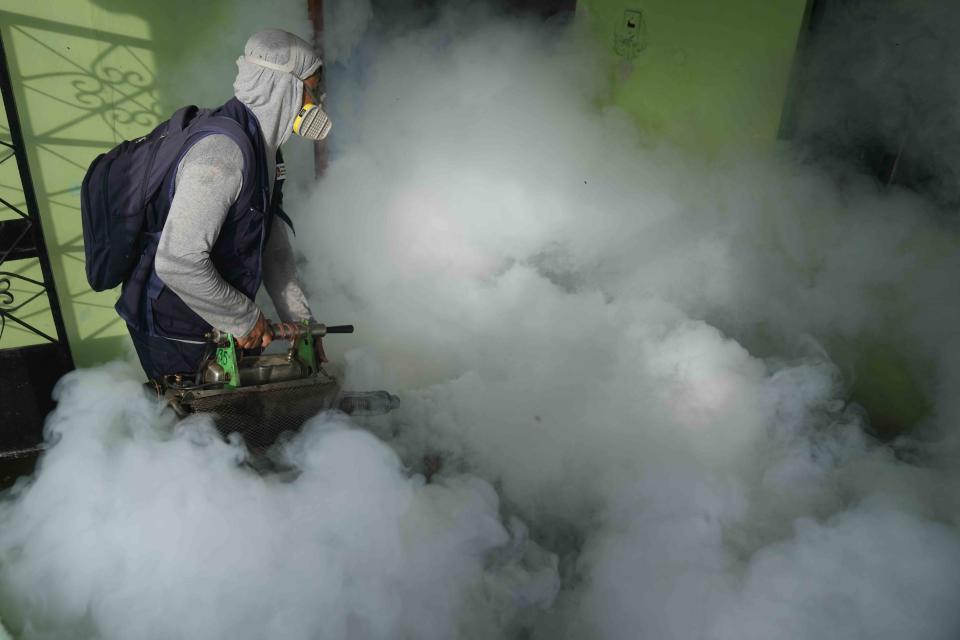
(212, 236)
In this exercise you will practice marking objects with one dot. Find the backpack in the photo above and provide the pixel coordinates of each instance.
(120, 183)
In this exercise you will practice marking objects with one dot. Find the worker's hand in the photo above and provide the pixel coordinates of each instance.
(259, 336)
(286, 331)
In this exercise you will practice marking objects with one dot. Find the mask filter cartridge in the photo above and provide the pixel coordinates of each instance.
(312, 123)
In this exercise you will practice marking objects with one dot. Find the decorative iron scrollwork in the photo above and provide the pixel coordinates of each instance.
(9, 304)
(6, 296)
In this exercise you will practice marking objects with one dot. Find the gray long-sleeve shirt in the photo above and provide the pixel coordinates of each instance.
(208, 182)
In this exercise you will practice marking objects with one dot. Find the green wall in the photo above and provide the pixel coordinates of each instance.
(84, 80)
(700, 72)
(88, 74)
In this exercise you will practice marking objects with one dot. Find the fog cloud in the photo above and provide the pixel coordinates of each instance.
(630, 359)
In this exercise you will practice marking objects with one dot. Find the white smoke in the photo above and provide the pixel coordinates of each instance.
(623, 346)
(895, 92)
(557, 297)
(136, 529)
(347, 20)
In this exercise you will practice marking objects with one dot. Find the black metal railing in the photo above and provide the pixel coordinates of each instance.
(21, 237)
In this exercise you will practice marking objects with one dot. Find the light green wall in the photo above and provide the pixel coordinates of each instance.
(704, 72)
(84, 80)
(88, 74)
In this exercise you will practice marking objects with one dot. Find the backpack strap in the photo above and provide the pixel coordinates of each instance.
(276, 200)
(182, 118)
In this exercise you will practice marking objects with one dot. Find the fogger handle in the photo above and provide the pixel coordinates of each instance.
(340, 328)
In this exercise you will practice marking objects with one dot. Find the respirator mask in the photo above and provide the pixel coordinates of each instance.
(312, 122)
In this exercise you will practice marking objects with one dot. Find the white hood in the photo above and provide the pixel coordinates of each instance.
(274, 91)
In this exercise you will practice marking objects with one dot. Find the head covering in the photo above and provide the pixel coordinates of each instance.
(270, 80)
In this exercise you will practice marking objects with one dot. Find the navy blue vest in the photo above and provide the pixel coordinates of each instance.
(145, 302)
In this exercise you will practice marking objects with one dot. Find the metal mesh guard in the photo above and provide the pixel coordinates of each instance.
(261, 416)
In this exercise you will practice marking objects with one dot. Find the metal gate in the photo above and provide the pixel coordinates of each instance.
(34, 352)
